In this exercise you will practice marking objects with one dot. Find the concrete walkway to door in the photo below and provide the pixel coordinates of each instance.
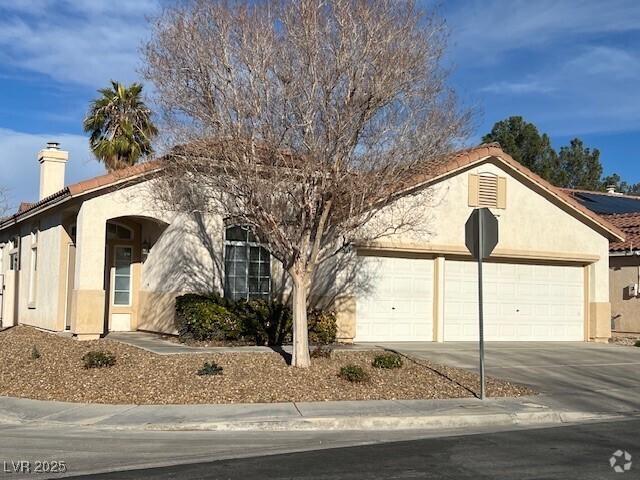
(584, 376)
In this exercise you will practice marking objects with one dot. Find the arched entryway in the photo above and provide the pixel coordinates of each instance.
(128, 241)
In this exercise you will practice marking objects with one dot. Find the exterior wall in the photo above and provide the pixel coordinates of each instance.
(44, 312)
(625, 309)
(187, 256)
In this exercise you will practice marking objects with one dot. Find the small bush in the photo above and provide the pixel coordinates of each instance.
(99, 359)
(269, 322)
(210, 369)
(387, 360)
(353, 373)
(637, 344)
(321, 351)
(201, 317)
(35, 354)
(322, 326)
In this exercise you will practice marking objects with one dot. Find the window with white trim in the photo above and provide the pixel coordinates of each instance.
(14, 254)
(247, 265)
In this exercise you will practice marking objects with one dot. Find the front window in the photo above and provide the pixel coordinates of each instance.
(247, 266)
(118, 232)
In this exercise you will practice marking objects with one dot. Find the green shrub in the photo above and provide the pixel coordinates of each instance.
(322, 326)
(353, 373)
(35, 354)
(210, 369)
(387, 360)
(96, 359)
(202, 317)
(269, 322)
(321, 351)
(637, 344)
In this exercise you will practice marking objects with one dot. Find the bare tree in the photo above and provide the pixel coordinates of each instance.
(5, 208)
(307, 117)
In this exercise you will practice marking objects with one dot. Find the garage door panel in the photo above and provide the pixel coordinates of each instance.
(394, 300)
(521, 302)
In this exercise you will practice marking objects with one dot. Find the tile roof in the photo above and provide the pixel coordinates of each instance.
(438, 167)
(24, 206)
(85, 186)
(630, 224)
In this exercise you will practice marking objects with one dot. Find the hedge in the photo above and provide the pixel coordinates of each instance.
(211, 317)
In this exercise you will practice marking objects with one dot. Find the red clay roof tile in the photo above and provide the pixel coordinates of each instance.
(629, 223)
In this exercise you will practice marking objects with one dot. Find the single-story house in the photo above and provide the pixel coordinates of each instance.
(623, 211)
(99, 256)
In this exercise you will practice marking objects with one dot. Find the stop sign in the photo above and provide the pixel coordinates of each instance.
(481, 233)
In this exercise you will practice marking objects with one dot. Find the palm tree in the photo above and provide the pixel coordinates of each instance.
(120, 126)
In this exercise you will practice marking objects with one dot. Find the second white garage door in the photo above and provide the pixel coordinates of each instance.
(521, 302)
(395, 300)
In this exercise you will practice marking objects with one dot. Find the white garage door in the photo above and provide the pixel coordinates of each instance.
(394, 300)
(521, 302)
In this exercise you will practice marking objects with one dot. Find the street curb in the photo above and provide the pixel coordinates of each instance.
(373, 423)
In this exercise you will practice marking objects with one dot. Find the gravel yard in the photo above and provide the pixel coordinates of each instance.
(141, 377)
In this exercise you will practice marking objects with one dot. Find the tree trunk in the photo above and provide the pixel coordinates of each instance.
(300, 327)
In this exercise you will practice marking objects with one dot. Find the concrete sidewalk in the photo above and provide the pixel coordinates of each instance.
(361, 415)
(160, 345)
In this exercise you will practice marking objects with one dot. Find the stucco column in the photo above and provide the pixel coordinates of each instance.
(599, 310)
(88, 302)
(438, 299)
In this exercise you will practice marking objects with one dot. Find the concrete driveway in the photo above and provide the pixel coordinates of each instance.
(587, 376)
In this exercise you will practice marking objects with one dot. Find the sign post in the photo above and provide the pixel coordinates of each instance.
(481, 237)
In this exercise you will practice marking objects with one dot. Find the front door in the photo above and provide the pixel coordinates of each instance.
(120, 288)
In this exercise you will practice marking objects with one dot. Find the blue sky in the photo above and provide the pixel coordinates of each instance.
(570, 67)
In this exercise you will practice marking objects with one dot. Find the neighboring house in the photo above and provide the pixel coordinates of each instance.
(623, 211)
(99, 256)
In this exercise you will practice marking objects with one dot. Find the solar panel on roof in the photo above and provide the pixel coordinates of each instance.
(609, 204)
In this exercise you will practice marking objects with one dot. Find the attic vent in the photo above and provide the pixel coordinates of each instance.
(487, 190)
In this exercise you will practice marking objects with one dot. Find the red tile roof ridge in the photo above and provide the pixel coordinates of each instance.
(621, 215)
(114, 177)
(595, 192)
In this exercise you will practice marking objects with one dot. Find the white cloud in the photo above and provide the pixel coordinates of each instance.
(484, 31)
(613, 63)
(504, 87)
(83, 43)
(20, 170)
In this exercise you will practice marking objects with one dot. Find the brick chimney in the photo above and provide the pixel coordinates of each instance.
(52, 162)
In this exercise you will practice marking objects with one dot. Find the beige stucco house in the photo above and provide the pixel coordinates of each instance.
(624, 267)
(622, 211)
(97, 256)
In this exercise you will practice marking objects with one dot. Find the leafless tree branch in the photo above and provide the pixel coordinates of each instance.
(302, 119)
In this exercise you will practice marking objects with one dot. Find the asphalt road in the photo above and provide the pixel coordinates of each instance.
(90, 450)
(581, 451)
